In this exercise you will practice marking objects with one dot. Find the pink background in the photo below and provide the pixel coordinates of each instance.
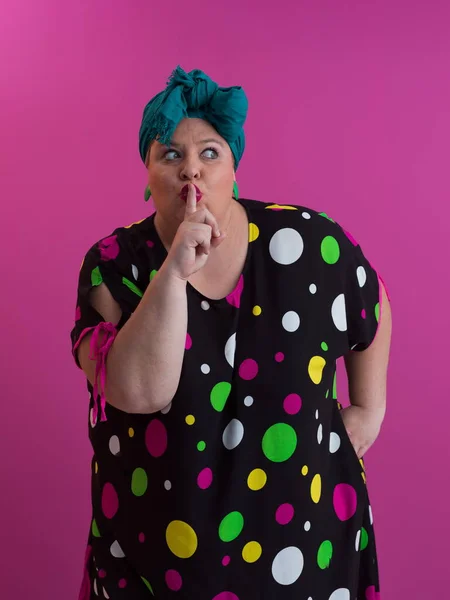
(349, 113)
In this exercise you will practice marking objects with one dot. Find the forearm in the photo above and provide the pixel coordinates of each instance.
(145, 361)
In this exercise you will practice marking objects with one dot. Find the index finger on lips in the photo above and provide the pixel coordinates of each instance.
(191, 201)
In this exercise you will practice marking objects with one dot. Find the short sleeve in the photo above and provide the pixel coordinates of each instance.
(363, 297)
(109, 261)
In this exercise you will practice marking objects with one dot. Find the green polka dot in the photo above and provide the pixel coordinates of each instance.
(279, 442)
(325, 554)
(330, 250)
(324, 346)
(377, 312)
(219, 395)
(231, 526)
(96, 277)
(335, 386)
(148, 585)
(139, 482)
(201, 446)
(322, 214)
(95, 531)
(153, 273)
(327, 394)
(364, 542)
(132, 287)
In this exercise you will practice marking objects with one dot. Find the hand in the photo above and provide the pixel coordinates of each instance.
(363, 426)
(197, 234)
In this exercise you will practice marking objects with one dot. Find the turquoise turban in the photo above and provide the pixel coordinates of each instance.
(195, 95)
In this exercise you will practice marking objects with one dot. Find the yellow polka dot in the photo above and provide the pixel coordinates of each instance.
(305, 470)
(257, 310)
(316, 488)
(363, 475)
(131, 432)
(257, 480)
(190, 419)
(280, 206)
(315, 368)
(253, 232)
(362, 464)
(251, 552)
(181, 539)
(96, 467)
(135, 223)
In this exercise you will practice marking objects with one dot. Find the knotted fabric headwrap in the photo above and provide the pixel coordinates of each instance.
(195, 95)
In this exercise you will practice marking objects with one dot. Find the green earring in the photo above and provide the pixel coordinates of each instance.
(235, 191)
(147, 194)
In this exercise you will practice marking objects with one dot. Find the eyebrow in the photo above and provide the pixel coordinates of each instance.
(208, 141)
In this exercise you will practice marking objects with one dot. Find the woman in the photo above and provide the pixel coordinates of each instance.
(223, 466)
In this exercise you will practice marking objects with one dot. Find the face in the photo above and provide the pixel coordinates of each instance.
(198, 155)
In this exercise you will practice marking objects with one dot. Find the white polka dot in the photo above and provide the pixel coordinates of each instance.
(205, 369)
(116, 550)
(286, 246)
(317, 414)
(95, 587)
(135, 272)
(204, 305)
(166, 409)
(167, 485)
(306, 215)
(307, 526)
(338, 313)
(320, 434)
(335, 442)
(105, 594)
(248, 401)
(114, 445)
(287, 565)
(230, 349)
(291, 321)
(91, 417)
(340, 594)
(313, 288)
(371, 515)
(362, 276)
(233, 434)
(358, 539)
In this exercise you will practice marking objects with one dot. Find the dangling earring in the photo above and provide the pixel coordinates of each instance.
(147, 194)
(235, 191)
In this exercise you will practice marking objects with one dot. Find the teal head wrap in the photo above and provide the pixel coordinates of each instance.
(195, 95)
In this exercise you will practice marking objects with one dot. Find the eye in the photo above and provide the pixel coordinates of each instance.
(166, 154)
(214, 152)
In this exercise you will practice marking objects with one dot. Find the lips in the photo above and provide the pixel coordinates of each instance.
(184, 193)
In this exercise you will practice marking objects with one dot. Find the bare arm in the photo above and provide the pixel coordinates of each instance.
(145, 360)
(367, 375)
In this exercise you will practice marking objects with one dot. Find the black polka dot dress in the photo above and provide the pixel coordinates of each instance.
(247, 485)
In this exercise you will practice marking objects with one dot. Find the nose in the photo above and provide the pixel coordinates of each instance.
(190, 170)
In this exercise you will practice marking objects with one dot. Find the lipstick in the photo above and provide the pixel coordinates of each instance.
(184, 193)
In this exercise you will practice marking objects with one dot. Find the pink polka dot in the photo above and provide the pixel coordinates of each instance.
(109, 248)
(279, 357)
(284, 514)
(156, 438)
(150, 244)
(363, 313)
(123, 583)
(345, 501)
(110, 501)
(102, 573)
(141, 538)
(188, 344)
(371, 594)
(205, 478)
(226, 561)
(292, 404)
(235, 297)
(248, 369)
(226, 596)
(173, 580)
(78, 314)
